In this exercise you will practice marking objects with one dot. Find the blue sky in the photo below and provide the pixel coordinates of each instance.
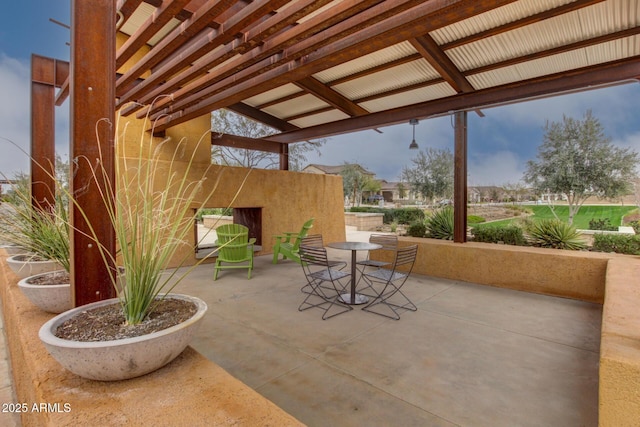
(499, 143)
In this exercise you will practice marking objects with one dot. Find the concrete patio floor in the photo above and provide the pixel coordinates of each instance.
(471, 355)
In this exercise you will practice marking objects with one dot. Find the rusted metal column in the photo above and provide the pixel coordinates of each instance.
(460, 178)
(284, 157)
(43, 150)
(92, 89)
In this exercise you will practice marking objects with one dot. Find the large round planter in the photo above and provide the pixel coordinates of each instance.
(50, 298)
(29, 267)
(120, 359)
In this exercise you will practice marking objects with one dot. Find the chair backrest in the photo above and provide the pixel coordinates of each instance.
(313, 255)
(313, 240)
(303, 233)
(232, 233)
(405, 258)
(388, 241)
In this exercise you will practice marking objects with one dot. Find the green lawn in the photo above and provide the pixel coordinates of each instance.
(582, 218)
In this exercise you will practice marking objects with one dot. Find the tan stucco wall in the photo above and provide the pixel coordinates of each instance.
(571, 274)
(619, 382)
(189, 382)
(287, 199)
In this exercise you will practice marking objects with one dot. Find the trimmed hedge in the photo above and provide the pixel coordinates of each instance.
(398, 215)
(619, 243)
(507, 234)
(417, 229)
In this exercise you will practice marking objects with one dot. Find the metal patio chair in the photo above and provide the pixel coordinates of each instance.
(389, 243)
(316, 240)
(390, 297)
(323, 283)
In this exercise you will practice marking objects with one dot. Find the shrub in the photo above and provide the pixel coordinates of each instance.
(475, 219)
(440, 224)
(400, 216)
(635, 225)
(602, 224)
(552, 233)
(508, 234)
(417, 229)
(620, 243)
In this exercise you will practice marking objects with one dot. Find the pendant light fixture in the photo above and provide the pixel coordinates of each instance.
(414, 144)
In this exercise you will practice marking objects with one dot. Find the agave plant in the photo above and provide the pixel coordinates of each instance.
(440, 224)
(553, 233)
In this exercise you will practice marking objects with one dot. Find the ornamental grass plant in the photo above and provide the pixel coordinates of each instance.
(152, 213)
(43, 233)
(151, 207)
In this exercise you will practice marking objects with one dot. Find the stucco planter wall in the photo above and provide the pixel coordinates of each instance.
(570, 274)
(120, 359)
(190, 381)
(50, 298)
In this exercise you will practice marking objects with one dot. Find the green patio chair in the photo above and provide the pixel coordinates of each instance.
(235, 249)
(288, 243)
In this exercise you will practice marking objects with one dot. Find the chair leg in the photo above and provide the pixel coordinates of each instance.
(383, 299)
(276, 252)
(216, 268)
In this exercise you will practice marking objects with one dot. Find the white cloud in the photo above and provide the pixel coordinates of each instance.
(497, 168)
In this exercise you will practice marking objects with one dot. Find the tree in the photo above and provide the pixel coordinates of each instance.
(355, 181)
(228, 122)
(432, 174)
(577, 160)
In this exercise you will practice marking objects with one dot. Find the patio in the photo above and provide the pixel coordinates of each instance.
(471, 355)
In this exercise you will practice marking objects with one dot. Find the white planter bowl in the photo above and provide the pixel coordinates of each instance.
(120, 359)
(50, 298)
(28, 268)
(11, 250)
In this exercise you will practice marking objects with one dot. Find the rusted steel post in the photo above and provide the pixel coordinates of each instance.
(284, 157)
(92, 89)
(43, 150)
(460, 179)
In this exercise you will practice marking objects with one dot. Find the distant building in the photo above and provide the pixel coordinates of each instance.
(335, 170)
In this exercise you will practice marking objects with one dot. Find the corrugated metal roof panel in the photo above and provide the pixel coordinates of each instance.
(495, 18)
(318, 119)
(613, 50)
(273, 94)
(393, 78)
(139, 17)
(299, 105)
(411, 97)
(366, 62)
(582, 24)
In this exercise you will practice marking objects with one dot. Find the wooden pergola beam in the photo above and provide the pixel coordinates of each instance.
(46, 75)
(592, 76)
(235, 141)
(92, 89)
(398, 27)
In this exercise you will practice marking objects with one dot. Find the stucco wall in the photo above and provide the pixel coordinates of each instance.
(619, 382)
(570, 274)
(287, 199)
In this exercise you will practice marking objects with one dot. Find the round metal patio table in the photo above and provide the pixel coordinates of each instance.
(352, 297)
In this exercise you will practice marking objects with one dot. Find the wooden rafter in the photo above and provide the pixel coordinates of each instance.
(396, 28)
(593, 76)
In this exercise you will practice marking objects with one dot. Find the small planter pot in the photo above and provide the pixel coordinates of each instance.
(50, 298)
(120, 359)
(11, 250)
(24, 266)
